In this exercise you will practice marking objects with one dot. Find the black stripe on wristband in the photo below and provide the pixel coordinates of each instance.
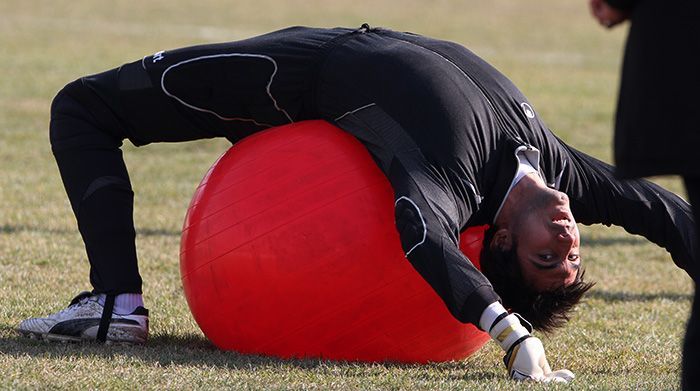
(498, 319)
(507, 358)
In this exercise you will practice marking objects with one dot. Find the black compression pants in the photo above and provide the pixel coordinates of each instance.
(86, 135)
(690, 379)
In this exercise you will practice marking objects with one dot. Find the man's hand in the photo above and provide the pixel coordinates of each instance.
(606, 15)
(524, 357)
(525, 360)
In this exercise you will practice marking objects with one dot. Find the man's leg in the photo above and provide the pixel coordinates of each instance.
(89, 120)
(86, 145)
(426, 214)
(690, 379)
(223, 90)
(85, 139)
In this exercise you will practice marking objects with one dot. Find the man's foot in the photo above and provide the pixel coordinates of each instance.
(82, 321)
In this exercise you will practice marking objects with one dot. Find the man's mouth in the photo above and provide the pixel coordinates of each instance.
(562, 218)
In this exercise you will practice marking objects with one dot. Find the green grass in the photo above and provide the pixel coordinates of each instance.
(626, 336)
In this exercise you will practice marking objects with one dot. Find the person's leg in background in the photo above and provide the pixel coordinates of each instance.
(691, 345)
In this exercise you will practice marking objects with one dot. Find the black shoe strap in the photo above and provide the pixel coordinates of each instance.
(106, 318)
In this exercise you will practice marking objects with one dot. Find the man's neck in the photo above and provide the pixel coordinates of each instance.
(520, 195)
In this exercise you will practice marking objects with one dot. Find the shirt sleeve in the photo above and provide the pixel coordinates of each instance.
(638, 206)
(427, 212)
(624, 5)
(426, 219)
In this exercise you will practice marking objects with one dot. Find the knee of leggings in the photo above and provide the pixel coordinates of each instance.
(64, 99)
(78, 120)
(64, 106)
(110, 190)
(410, 223)
(116, 183)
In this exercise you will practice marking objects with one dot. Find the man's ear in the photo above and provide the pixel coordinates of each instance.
(502, 240)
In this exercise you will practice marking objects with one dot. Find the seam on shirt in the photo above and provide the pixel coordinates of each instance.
(425, 227)
(221, 117)
(468, 77)
(557, 180)
(517, 159)
(355, 111)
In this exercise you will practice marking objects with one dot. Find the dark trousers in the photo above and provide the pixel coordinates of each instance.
(691, 345)
(86, 135)
(86, 147)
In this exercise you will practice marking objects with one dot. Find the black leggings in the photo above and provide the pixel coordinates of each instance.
(85, 141)
(691, 344)
(86, 136)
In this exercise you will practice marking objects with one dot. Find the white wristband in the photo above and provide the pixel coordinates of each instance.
(507, 331)
(507, 328)
(490, 314)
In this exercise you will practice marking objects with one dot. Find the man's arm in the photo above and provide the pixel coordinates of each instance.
(427, 222)
(428, 218)
(428, 235)
(639, 206)
(623, 5)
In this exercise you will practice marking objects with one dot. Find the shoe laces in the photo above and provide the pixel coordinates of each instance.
(81, 298)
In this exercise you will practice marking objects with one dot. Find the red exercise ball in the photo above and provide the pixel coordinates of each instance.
(289, 249)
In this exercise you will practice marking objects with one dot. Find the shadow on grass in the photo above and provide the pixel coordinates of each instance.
(197, 351)
(612, 297)
(12, 229)
(612, 241)
(157, 232)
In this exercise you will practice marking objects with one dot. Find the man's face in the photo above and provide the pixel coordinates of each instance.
(548, 241)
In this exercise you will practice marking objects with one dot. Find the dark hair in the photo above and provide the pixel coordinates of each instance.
(545, 310)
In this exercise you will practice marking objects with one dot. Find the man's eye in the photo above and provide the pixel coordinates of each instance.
(546, 257)
(574, 257)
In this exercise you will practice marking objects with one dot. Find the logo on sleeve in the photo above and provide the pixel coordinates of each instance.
(527, 109)
(158, 56)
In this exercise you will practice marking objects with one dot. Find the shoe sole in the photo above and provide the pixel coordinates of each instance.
(65, 339)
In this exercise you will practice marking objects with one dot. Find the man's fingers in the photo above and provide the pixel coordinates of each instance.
(560, 376)
(594, 6)
(544, 364)
(527, 361)
(523, 377)
(606, 15)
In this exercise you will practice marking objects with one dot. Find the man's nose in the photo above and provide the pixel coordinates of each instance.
(563, 198)
(566, 235)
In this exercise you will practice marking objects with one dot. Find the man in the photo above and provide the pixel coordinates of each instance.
(656, 132)
(459, 143)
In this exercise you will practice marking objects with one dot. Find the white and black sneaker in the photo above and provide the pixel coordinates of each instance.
(86, 319)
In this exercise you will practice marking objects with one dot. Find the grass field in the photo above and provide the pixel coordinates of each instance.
(626, 336)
